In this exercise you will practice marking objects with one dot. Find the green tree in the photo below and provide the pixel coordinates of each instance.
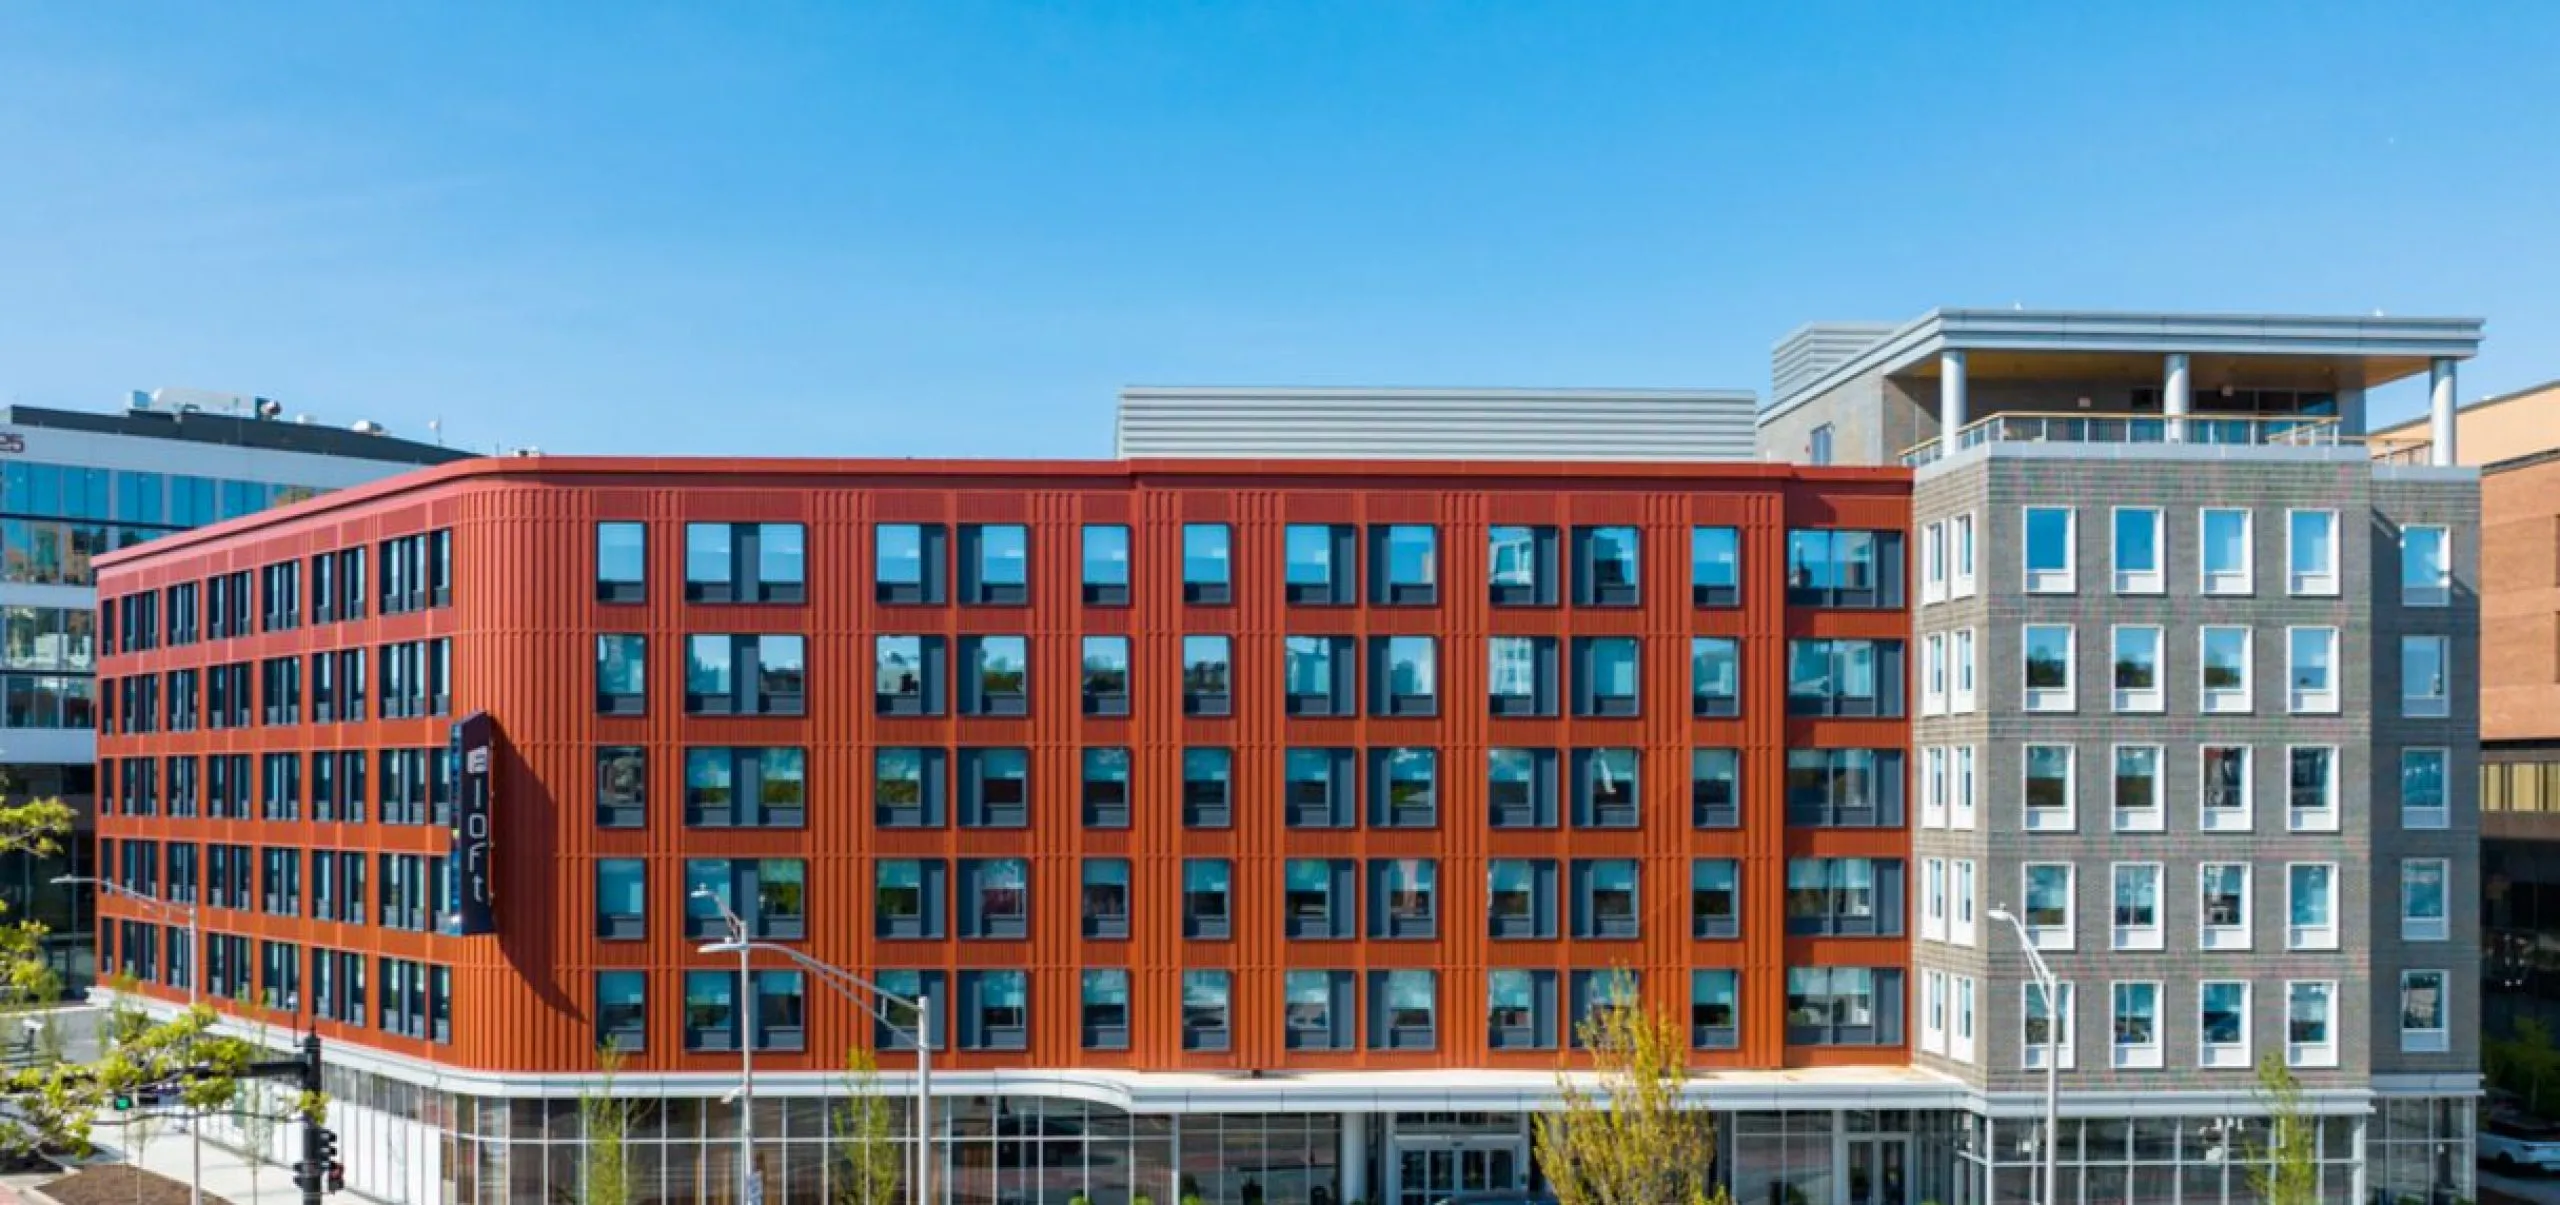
(2525, 1064)
(1627, 1133)
(868, 1157)
(2286, 1171)
(604, 1174)
(258, 1098)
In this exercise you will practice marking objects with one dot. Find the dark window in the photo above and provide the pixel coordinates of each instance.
(1207, 1022)
(746, 787)
(1522, 675)
(1715, 788)
(622, 562)
(1521, 898)
(1605, 563)
(1715, 566)
(1318, 788)
(1207, 675)
(1404, 565)
(896, 1026)
(745, 563)
(1605, 789)
(995, 563)
(1404, 898)
(907, 896)
(1844, 1006)
(1521, 792)
(710, 1010)
(998, 677)
(765, 674)
(1844, 677)
(995, 898)
(1844, 788)
(1715, 1009)
(1318, 898)
(1715, 898)
(1404, 1010)
(1856, 897)
(1404, 788)
(622, 786)
(622, 899)
(280, 588)
(1207, 907)
(1522, 566)
(995, 1010)
(906, 788)
(1106, 675)
(1106, 564)
(622, 684)
(1208, 788)
(417, 573)
(908, 563)
(1520, 1010)
(1827, 568)
(1605, 897)
(1322, 675)
(1715, 676)
(622, 1009)
(1207, 568)
(995, 786)
(781, 1010)
(908, 677)
(1315, 1011)
(1106, 897)
(1323, 563)
(1594, 992)
(1106, 788)
(1405, 675)
(1606, 675)
(770, 895)
(1105, 1008)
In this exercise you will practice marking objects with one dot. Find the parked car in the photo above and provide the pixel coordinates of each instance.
(2513, 1146)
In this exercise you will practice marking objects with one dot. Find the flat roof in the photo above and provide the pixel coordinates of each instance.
(267, 434)
(2383, 348)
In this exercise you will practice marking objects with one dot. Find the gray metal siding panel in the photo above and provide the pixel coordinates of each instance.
(1352, 424)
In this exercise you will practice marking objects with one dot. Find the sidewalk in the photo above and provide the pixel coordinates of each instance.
(226, 1172)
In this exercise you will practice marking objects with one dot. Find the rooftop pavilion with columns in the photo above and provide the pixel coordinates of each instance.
(1863, 393)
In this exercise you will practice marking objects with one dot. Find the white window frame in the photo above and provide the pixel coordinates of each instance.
(2301, 700)
(1933, 1012)
(2224, 1056)
(2427, 928)
(2439, 816)
(2035, 820)
(1961, 1039)
(2152, 819)
(2228, 820)
(1933, 562)
(2318, 584)
(2322, 819)
(1933, 899)
(2152, 936)
(2031, 1053)
(2050, 937)
(2227, 700)
(2154, 580)
(2310, 937)
(2144, 1056)
(2441, 593)
(1933, 674)
(1961, 927)
(2427, 1041)
(1960, 672)
(2427, 707)
(1933, 787)
(2311, 1054)
(2063, 698)
(2065, 580)
(2226, 939)
(1961, 778)
(1961, 554)
(2139, 701)
(2228, 583)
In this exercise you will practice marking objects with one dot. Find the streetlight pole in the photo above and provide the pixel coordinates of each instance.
(739, 936)
(2051, 989)
(876, 1000)
(195, 996)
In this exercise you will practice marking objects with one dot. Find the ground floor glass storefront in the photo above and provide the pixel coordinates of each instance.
(405, 1143)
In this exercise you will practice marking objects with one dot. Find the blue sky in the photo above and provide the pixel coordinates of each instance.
(956, 229)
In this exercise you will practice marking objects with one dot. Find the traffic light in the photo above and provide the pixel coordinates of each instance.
(337, 1181)
(324, 1147)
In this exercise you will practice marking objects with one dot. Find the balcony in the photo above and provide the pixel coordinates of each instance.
(2270, 430)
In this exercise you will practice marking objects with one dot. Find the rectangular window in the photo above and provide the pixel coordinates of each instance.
(1207, 908)
(1844, 788)
(1715, 898)
(908, 675)
(1322, 675)
(1207, 571)
(2051, 566)
(1317, 898)
(2137, 923)
(2223, 905)
(2046, 651)
(2311, 671)
(1404, 564)
(1715, 1009)
(1843, 1006)
(2226, 560)
(1105, 676)
(895, 1026)
(622, 564)
(1715, 566)
(995, 563)
(1522, 566)
(2312, 789)
(2311, 1038)
(907, 896)
(621, 683)
(735, 563)
(2049, 795)
(1605, 898)
(996, 678)
(1859, 569)
(2223, 669)
(2138, 554)
(1715, 676)
(1104, 902)
(907, 564)
(763, 674)
(2049, 898)
(2137, 670)
(2222, 1024)
(1206, 1022)
(2311, 553)
(1208, 788)
(1933, 562)
(1522, 675)
(1605, 567)
(1314, 1008)
(1521, 790)
(2136, 1026)
(1960, 874)
(1844, 677)
(1606, 791)
(2226, 806)
(1404, 671)
(1595, 993)
(622, 896)
(2426, 566)
(2422, 797)
(2041, 1042)
(622, 1008)
(1933, 899)
(995, 788)
(906, 787)
(995, 898)
(1520, 1010)
(770, 894)
(1323, 565)
(1960, 576)
(2311, 906)
(2426, 668)
(2423, 1010)
(1960, 780)
(1404, 898)
(1318, 791)
(746, 788)
(995, 1010)
(1715, 788)
(2138, 799)
(1933, 674)
(1857, 897)
(1817, 447)
(1208, 675)
(1105, 1010)
(1520, 895)
(2422, 899)
(1106, 564)
(1106, 788)
(1605, 673)
(1960, 671)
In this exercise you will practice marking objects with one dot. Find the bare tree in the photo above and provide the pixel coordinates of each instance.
(867, 1154)
(605, 1157)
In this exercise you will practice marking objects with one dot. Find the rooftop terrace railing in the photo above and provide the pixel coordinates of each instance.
(2031, 427)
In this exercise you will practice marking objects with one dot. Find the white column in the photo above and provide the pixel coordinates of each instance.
(1355, 1158)
(2177, 396)
(1951, 399)
(2440, 411)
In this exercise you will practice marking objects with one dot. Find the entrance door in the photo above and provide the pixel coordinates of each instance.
(1428, 1170)
(1879, 1170)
